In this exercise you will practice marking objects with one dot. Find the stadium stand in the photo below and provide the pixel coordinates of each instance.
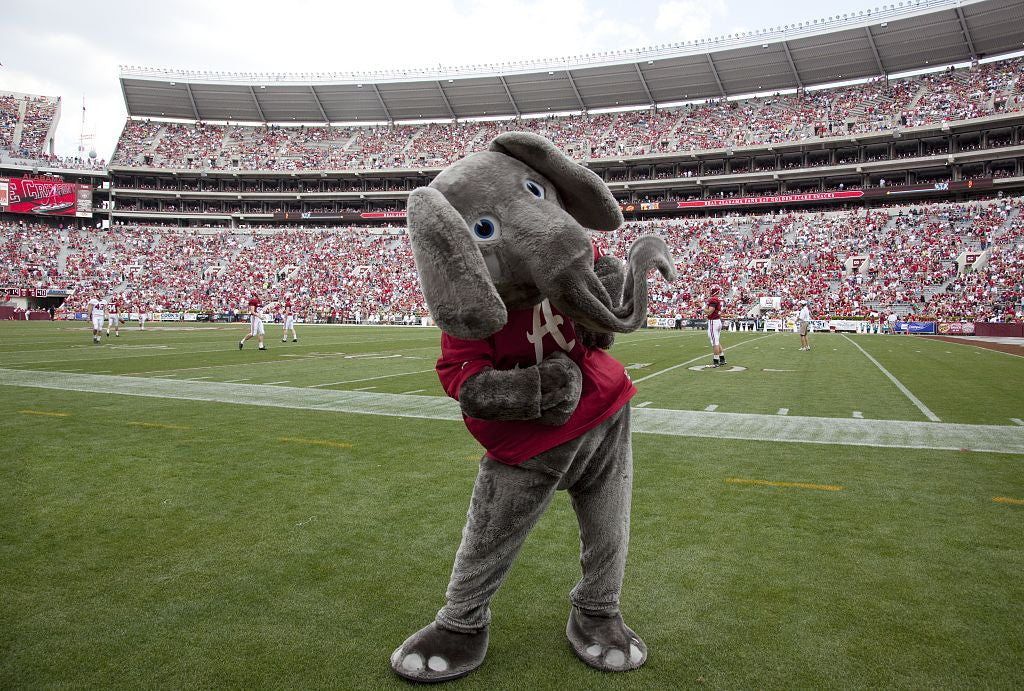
(912, 263)
(25, 123)
(877, 106)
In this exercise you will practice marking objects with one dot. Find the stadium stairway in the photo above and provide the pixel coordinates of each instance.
(16, 137)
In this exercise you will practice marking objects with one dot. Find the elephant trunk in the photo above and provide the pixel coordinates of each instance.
(577, 290)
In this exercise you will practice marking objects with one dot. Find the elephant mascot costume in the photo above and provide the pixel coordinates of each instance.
(527, 308)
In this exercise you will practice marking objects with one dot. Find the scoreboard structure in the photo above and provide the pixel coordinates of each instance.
(45, 196)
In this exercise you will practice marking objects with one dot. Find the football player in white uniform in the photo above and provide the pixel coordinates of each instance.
(97, 312)
(255, 322)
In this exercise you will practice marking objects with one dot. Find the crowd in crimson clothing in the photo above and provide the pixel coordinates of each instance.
(878, 105)
(915, 259)
(35, 114)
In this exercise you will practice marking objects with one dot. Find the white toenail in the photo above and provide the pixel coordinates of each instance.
(413, 662)
(437, 663)
(635, 655)
(615, 657)
(593, 650)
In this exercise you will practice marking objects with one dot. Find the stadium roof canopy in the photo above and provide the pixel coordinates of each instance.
(894, 38)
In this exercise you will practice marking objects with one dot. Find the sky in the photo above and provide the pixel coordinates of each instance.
(74, 49)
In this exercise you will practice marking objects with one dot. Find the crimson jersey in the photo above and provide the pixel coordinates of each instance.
(254, 305)
(716, 307)
(530, 335)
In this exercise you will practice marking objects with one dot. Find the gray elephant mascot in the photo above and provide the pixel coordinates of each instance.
(528, 308)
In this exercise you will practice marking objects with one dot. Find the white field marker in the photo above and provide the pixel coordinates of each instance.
(271, 383)
(899, 385)
(232, 381)
(689, 362)
(198, 378)
(782, 411)
(406, 393)
(643, 405)
(1017, 421)
(711, 408)
(365, 388)
(383, 376)
(859, 415)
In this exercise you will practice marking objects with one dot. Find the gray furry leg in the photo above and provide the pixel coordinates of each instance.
(507, 502)
(602, 496)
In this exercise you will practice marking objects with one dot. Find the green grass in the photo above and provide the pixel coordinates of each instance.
(206, 552)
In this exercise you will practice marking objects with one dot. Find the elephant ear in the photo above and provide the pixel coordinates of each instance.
(460, 294)
(586, 197)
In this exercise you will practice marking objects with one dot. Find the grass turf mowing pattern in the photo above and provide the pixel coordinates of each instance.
(218, 556)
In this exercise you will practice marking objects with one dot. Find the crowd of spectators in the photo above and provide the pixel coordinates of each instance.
(35, 115)
(846, 263)
(877, 105)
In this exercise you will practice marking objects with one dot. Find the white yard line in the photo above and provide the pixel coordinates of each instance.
(699, 357)
(762, 429)
(899, 385)
(365, 388)
(407, 393)
(354, 381)
(782, 411)
(643, 405)
(271, 383)
(859, 415)
(711, 408)
(229, 381)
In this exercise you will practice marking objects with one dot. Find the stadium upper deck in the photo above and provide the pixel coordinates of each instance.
(892, 39)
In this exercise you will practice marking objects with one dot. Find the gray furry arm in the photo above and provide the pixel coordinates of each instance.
(547, 393)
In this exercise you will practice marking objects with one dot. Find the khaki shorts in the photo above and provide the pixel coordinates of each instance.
(803, 328)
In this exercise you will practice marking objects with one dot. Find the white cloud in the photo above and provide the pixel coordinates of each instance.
(687, 20)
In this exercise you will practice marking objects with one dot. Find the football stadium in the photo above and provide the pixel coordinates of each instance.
(304, 363)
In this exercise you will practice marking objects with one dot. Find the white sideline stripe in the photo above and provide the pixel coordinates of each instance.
(198, 378)
(643, 405)
(383, 376)
(1007, 439)
(406, 393)
(711, 408)
(365, 388)
(229, 381)
(271, 383)
(689, 362)
(899, 385)
(782, 411)
(859, 415)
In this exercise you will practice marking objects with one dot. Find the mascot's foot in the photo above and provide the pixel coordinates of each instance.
(436, 654)
(605, 643)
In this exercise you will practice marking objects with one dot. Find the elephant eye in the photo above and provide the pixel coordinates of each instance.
(534, 188)
(485, 229)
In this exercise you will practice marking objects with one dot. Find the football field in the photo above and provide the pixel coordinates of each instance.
(176, 512)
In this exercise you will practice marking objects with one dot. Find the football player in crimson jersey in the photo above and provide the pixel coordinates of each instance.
(255, 322)
(289, 322)
(713, 311)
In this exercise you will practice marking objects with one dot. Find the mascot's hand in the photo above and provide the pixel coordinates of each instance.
(560, 385)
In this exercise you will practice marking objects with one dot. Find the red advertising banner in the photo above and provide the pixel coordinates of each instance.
(956, 328)
(45, 197)
(744, 201)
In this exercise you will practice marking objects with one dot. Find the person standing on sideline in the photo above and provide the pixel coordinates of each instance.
(255, 323)
(97, 312)
(289, 322)
(142, 316)
(713, 311)
(803, 323)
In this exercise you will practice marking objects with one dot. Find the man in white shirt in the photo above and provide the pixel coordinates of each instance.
(97, 313)
(803, 324)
